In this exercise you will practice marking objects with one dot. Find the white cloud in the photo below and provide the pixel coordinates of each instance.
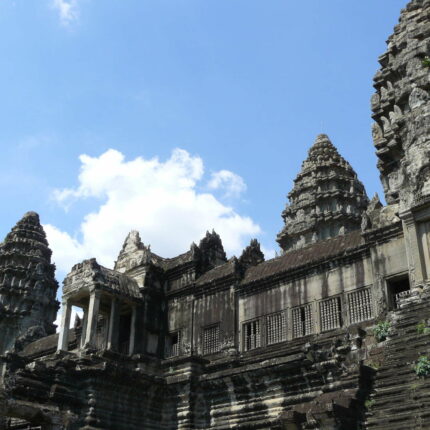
(232, 184)
(158, 198)
(68, 11)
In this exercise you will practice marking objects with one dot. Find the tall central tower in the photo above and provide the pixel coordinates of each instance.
(401, 109)
(327, 199)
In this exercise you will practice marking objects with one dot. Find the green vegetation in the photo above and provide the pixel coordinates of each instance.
(369, 403)
(426, 61)
(422, 328)
(373, 365)
(422, 368)
(382, 330)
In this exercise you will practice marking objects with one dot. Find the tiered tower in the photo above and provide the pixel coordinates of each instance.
(28, 306)
(327, 199)
(401, 109)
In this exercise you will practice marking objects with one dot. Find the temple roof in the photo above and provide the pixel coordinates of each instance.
(220, 272)
(323, 250)
(327, 199)
(90, 274)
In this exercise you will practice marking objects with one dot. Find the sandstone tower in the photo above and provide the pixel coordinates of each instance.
(326, 336)
(327, 199)
(28, 307)
(401, 109)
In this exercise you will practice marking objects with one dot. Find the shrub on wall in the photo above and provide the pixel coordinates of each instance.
(422, 367)
(382, 330)
(422, 328)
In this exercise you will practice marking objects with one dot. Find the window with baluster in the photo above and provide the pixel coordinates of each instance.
(303, 323)
(276, 328)
(360, 305)
(330, 314)
(211, 339)
(251, 335)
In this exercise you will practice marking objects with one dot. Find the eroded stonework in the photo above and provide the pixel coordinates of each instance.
(401, 111)
(326, 336)
(28, 288)
(327, 199)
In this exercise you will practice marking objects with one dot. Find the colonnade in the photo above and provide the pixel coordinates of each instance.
(90, 321)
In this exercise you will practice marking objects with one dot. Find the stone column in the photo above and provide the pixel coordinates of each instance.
(93, 313)
(63, 338)
(113, 334)
(417, 271)
(84, 327)
(132, 329)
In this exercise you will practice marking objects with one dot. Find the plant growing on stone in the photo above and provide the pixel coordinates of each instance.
(374, 366)
(382, 330)
(422, 328)
(369, 403)
(426, 61)
(422, 367)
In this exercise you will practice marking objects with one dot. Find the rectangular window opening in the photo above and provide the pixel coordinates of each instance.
(211, 340)
(174, 344)
(360, 305)
(330, 314)
(397, 288)
(302, 321)
(251, 335)
(276, 328)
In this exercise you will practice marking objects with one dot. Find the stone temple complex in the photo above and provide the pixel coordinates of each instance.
(332, 334)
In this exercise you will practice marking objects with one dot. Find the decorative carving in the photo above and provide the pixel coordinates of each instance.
(251, 255)
(26, 271)
(402, 90)
(327, 199)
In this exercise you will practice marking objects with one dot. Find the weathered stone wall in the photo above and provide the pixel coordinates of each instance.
(215, 309)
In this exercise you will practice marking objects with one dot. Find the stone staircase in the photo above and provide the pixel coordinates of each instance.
(400, 400)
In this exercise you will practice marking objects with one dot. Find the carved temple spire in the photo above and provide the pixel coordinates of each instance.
(327, 199)
(28, 305)
(212, 251)
(251, 255)
(133, 253)
(401, 108)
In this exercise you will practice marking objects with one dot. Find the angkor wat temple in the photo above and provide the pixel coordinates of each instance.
(328, 335)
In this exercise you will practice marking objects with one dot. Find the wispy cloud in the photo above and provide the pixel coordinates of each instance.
(232, 184)
(68, 11)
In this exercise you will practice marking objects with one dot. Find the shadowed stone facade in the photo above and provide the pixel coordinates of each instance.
(200, 341)
(28, 288)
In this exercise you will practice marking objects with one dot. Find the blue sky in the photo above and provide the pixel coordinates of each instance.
(179, 116)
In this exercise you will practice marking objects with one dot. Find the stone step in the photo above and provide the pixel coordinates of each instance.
(400, 399)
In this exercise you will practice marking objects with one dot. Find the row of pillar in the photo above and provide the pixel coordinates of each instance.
(89, 324)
